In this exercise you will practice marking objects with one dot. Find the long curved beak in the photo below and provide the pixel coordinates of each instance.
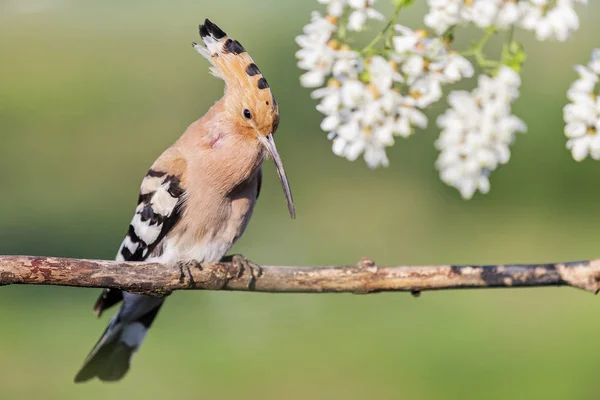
(269, 144)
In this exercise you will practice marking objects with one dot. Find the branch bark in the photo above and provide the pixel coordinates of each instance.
(366, 277)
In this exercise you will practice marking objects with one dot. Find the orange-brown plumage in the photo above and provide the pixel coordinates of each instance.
(198, 196)
(245, 85)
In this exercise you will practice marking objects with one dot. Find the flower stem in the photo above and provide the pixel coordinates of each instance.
(387, 32)
(342, 30)
(513, 52)
(390, 27)
(476, 50)
(511, 34)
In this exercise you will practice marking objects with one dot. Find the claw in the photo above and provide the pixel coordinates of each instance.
(244, 265)
(185, 272)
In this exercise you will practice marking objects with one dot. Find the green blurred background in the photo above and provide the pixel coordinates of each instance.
(91, 92)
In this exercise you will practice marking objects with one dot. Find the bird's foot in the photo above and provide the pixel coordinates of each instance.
(243, 265)
(185, 271)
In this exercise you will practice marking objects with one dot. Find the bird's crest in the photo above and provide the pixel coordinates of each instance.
(230, 61)
(250, 101)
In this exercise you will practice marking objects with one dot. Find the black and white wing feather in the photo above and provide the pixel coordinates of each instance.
(159, 208)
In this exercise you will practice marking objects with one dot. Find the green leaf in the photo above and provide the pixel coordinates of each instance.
(513, 55)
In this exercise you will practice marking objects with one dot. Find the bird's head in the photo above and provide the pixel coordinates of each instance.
(249, 103)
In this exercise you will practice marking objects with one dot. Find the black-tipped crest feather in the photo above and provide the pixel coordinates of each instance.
(210, 29)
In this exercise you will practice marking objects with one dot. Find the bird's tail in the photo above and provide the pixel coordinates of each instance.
(110, 358)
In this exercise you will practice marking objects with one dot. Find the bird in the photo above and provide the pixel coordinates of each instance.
(197, 198)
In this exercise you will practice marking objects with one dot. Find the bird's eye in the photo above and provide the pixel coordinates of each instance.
(247, 114)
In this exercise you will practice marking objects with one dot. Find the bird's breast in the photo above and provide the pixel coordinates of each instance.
(210, 224)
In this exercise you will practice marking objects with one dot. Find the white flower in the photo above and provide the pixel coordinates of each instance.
(330, 98)
(382, 74)
(444, 14)
(547, 18)
(413, 66)
(362, 9)
(363, 118)
(508, 15)
(426, 64)
(335, 8)
(477, 132)
(426, 90)
(407, 40)
(354, 94)
(455, 67)
(482, 13)
(319, 29)
(348, 65)
(582, 115)
(408, 116)
(419, 56)
(550, 18)
(315, 55)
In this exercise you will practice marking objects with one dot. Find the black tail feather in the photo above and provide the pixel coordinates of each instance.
(107, 299)
(110, 358)
(110, 363)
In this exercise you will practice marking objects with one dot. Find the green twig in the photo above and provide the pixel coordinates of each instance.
(386, 33)
(341, 33)
(476, 50)
(511, 34)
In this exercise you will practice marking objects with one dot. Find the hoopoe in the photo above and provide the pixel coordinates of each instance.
(198, 196)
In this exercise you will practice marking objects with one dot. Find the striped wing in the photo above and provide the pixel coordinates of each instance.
(159, 209)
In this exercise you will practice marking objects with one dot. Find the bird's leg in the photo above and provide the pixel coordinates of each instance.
(243, 265)
(185, 272)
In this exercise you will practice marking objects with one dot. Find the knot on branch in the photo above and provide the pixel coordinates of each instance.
(366, 262)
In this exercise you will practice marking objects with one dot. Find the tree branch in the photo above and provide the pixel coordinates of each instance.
(366, 277)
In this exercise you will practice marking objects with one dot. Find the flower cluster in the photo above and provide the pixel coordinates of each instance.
(372, 95)
(547, 18)
(477, 132)
(360, 11)
(370, 99)
(444, 14)
(316, 55)
(582, 114)
(363, 115)
(426, 64)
